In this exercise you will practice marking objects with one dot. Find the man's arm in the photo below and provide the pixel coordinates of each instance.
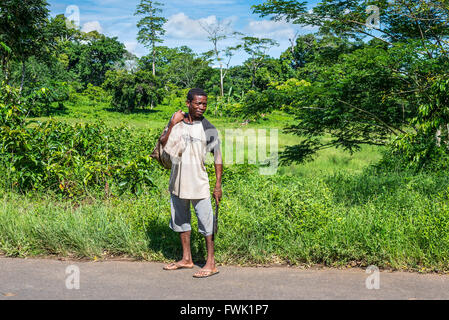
(218, 163)
(176, 118)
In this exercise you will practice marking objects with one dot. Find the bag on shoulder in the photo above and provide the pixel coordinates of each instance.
(161, 156)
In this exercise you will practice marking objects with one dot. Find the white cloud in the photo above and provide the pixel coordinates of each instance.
(91, 26)
(180, 26)
(130, 46)
(277, 30)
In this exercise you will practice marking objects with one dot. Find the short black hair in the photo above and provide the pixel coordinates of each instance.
(195, 92)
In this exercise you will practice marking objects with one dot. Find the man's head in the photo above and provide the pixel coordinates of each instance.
(197, 103)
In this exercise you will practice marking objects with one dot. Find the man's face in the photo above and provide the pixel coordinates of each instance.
(197, 106)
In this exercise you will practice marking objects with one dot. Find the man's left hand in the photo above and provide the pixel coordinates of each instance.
(217, 194)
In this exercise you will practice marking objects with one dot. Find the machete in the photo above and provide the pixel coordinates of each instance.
(215, 222)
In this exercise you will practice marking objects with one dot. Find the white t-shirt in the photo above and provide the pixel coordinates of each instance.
(191, 142)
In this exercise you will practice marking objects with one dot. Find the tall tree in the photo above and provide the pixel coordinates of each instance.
(58, 31)
(257, 49)
(21, 22)
(179, 66)
(97, 56)
(219, 31)
(150, 26)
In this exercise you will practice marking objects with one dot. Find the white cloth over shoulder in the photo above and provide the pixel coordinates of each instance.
(176, 144)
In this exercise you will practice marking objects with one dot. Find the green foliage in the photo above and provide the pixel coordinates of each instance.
(180, 67)
(96, 94)
(12, 112)
(427, 146)
(225, 107)
(74, 159)
(150, 26)
(332, 90)
(397, 221)
(133, 90)
(257, 49)
(368, 94)
(21, 23)
(355, 100)
(41, 100)
(91, 60)
(256, 103)
(49, 74)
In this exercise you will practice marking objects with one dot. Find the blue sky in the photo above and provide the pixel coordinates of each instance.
(115, 18)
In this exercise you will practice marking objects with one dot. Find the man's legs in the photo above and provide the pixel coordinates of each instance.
(186, 253)
(210, 262)
(186, 261)
(180, 222)
(203, 210)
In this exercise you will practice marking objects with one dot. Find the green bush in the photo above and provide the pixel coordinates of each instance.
(96, 94)
(133, 90)
(415, 153)
(74, 159)
(41, 101)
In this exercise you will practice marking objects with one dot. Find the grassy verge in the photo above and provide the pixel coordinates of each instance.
(333, 211)
(392, 221)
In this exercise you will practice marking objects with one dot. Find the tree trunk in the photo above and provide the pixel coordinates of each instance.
(253, 77)
(4, 66)
(438, 137)
(447, 142)
(154, 62)
(154, 72)
(292, 48)
(221, 80)
(6, 70)
(23, 77)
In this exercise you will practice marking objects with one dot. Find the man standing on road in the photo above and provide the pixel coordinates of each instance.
(192, 137)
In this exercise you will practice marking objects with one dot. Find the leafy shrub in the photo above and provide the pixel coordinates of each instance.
(96, 94)
(41, 100)
(133, 90)
(72, 158)
(415, 153)
(12, 112)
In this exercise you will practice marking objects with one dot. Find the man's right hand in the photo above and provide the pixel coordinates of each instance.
(177, 117)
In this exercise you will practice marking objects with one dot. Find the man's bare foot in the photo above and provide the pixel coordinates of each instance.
(182, 264)
(208, 270)
(204, 273)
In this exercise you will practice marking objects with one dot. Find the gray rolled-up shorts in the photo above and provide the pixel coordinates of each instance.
(180, 214)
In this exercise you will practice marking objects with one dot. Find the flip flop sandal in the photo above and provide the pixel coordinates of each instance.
(205, 273)
(175, 266)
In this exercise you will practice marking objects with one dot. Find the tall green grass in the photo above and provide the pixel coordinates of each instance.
(392, 221)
